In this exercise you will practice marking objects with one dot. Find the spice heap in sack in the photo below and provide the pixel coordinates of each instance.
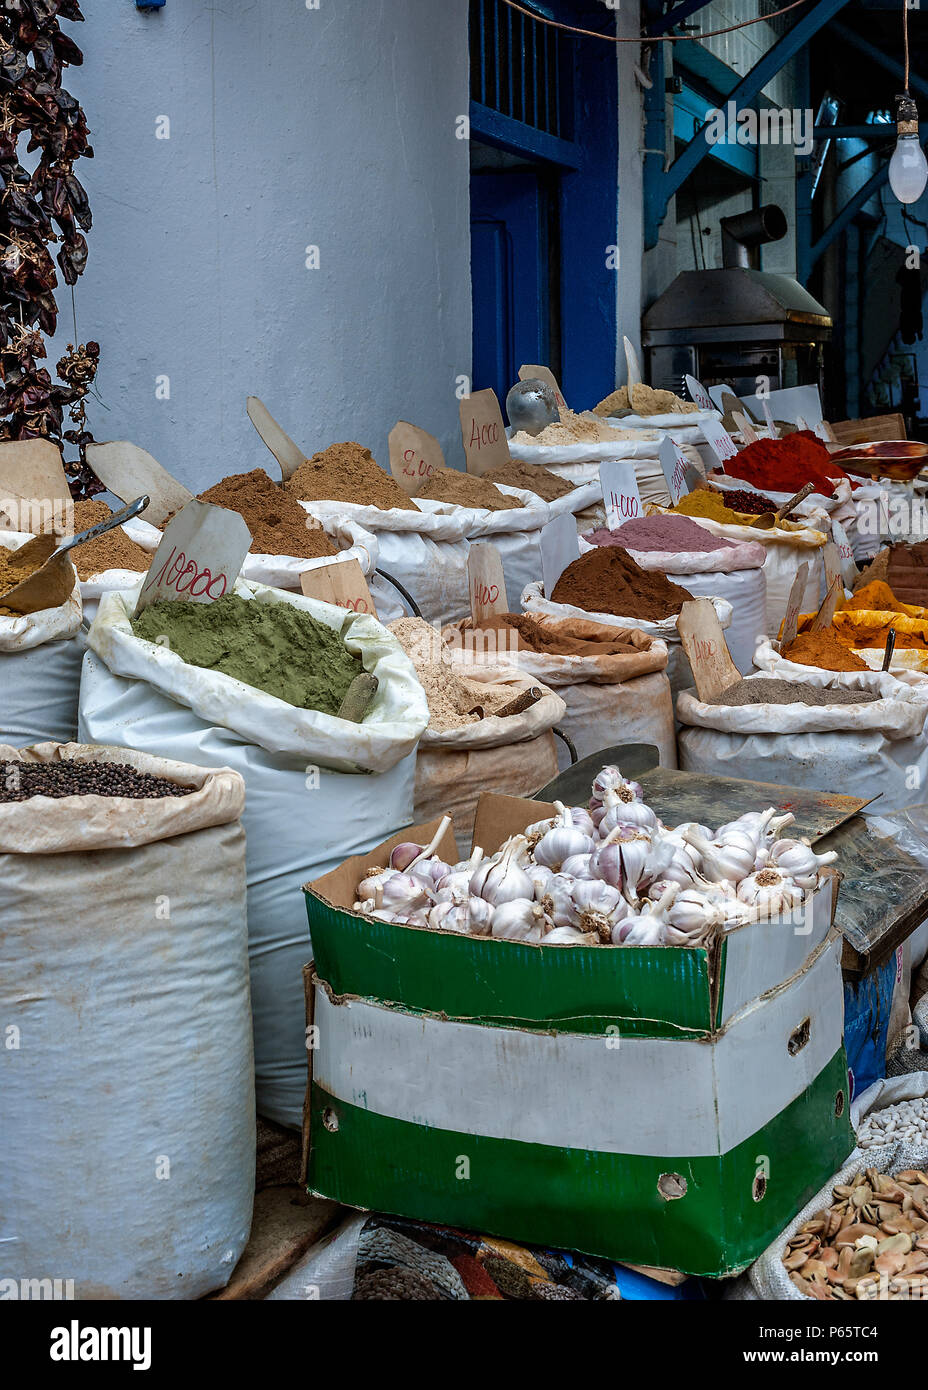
(20, 781)
(112, 551)
(466, 490)
(786, 465)
(608, 873)
(607, 580)
(751, 503)
(277, 522)
(825, 650)
(12, 572)
(860, 629)
(273, 647)
(453, 700)
(576, 429)
(348, 473)
(641, 400)
(765, 690)
(878, 597)
(669, 533)
(717, 506)
(871, 1243)
(904, 568)
(530, 477)
(518, 631)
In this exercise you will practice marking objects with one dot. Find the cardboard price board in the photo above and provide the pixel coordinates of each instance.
(486, 582)
(545, 374)
(414, 456)
(833, 567)
(559, 548)
(794, 605)
(341, 584)
(199, 559)
(846, 553)
(677, 469)
(698, 393)
(621, 497)
(748, 432)
(287, 454)
(825, 614)
(705, 646)
(719, 441)
(129, 471)
(483, 432)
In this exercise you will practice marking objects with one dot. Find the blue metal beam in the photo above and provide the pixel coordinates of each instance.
(676, 16)
(916, 83)
(743, 94)
(848, 213)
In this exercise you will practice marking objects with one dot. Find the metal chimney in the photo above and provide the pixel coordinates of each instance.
(742, 234)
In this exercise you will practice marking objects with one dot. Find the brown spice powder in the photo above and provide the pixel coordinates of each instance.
(607, 580)
(277, 522)
(12, 572)
(450, 697)
(534, 636)
(466, 490)
(114, 551)
(825, 650)
(532, 477)
(348, 473)
(577, 429)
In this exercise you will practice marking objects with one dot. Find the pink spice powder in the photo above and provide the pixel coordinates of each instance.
(669, 533)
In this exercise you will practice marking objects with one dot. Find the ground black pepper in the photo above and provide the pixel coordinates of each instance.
(21, 781)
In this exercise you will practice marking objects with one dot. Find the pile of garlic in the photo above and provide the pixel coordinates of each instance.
(606, 874)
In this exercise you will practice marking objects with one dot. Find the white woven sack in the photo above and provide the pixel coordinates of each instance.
(876, 749)
(127, 1111)
(304, 813)
(678, 668)
(40, 666)
(767, 658)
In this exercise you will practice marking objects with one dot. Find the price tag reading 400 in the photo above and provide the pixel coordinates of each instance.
(620, 492)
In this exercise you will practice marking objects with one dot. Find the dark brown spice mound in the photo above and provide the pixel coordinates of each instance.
(466, 490)
(348, 473)
(277, 522)
(20, 781)
(532, 477)
(112, 551)
(608, 580)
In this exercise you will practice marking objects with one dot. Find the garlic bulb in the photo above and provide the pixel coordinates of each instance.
(561, 843)
(770, 891)
(647, 927)
(632, 813)
(798, 859)
(683, 866)
(428, 850)
(518, 919)
(540, 878)
(480, 916)
(610, 779)
(582, 820)
(450, 917)
(578, 866)
(600, 906)
(503, 881)
(728, 863)
(558, 901)
(566, 936)
(693, 913)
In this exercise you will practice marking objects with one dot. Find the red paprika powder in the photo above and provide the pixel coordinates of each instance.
(786, 465)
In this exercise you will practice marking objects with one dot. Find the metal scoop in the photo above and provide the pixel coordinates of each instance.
(50, 584)
(767, 520)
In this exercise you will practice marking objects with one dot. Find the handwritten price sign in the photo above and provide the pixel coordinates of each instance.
(621, 497)
(342, 584)
(200, 557)
(483, 432)
(675, 466)
(486, 581)
(698, 393)
(719, 441)
(414, 456)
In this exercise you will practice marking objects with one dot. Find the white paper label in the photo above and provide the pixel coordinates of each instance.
(698, 393)
(846, 552)
(719, 440)
(675, 466)
(621, 497)
(768, 416)
(200, 557)
(559, 548)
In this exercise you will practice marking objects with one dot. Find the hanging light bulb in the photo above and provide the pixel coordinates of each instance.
(908, 167)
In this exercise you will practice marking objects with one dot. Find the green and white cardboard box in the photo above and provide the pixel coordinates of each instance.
(657, 1105)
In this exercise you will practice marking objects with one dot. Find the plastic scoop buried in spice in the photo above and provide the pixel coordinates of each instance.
(51, 579)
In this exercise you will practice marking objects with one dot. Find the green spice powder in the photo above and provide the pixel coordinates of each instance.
(275, 647)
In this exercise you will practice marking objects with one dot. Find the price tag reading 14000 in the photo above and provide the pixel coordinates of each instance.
(620, 492)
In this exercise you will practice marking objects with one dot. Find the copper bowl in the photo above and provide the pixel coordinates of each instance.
(899, 460)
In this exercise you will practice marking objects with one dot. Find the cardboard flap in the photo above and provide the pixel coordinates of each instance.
(339, 886)
(500, 816)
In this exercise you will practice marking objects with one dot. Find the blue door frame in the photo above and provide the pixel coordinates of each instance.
(584, 202)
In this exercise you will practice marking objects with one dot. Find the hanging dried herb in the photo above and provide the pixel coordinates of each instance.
(38, 210)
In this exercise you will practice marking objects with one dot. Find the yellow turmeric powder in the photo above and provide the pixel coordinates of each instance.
(878, 597)
(712, 506)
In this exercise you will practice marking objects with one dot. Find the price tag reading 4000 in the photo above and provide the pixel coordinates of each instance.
(620, 492)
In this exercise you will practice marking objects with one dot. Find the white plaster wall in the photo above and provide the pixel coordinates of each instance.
(290, 126)
(629, 282)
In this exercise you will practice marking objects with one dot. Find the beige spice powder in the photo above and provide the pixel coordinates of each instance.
(451, 697)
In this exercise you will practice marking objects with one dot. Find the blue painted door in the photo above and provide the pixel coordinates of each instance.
(509, 269)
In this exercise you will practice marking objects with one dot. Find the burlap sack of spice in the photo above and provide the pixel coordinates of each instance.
(516, 755)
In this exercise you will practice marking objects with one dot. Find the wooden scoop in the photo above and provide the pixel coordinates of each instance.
(767, 520)
(50, 584)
